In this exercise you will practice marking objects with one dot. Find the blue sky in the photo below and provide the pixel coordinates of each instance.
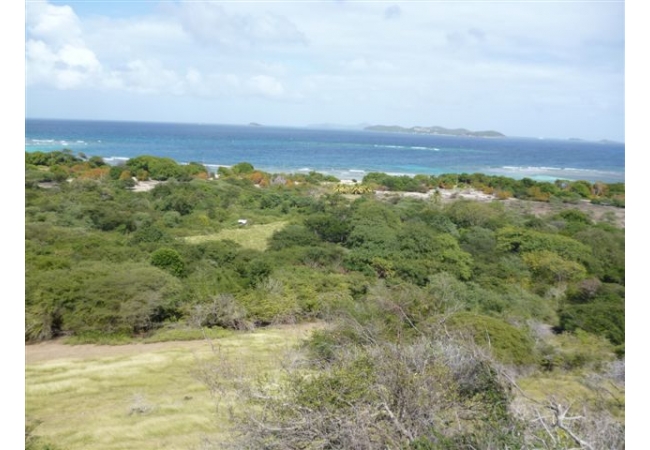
(539, 69)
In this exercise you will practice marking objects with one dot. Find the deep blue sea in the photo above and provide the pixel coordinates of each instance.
(347, 154)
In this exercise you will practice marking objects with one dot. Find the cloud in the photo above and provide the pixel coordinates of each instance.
(210, 24)
(67, 68)
(149, 77)
(55, 52)
(365, 64)
(57, 25)
(388, 61)
(57, 55)
(79, 57)
(392, 12)
(265, 86)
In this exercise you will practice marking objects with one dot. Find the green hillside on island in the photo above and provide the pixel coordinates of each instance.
(435, 130)
(260, 310)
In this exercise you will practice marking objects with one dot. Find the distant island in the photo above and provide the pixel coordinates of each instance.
(602, 141)
(435, 130)
(254, 124)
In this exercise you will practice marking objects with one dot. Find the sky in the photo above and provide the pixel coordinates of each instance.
(553, 69)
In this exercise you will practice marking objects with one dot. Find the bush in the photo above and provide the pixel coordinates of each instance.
(576, 351)
(221, 310)
(467, 214)
(154, 167)
(552, 268)
(601, 318)
(170, 260)
(149, 234)
(382, 396)
(508, 343)
(270, 303)
(293, 235)
(242, 168)
(329, 228)
(98, 297)
(521, 240)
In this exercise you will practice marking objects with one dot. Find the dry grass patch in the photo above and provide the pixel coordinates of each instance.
(145, 399)
(255, 237)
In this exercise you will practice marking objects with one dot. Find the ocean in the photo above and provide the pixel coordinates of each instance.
(346, 154)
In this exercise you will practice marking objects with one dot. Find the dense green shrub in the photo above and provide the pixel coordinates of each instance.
(508, 343)
(57, 157)
(520, 240)
(270, 303)
(291, 236)
(98, 297)
(170, 260)
(242, 168)
(479, 257)
(149, 234)
(157, 168)
(466, 214)
(602, 318)
(328, 227)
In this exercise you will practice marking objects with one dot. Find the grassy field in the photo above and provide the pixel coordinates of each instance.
(165, 395)
(143, 396)
(255, 237)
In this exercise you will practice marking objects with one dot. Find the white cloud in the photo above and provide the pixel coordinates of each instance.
(365, 59)
(149, 77)
(211, 24)
(67, 68)
(57, 25)
(55, 53)
(271, 68)
(193, 76)
(80, 57)
(117, 40)
(265, 86)
(364, 65)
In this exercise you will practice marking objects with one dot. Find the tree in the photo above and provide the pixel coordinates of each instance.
(242, 168)
(98, 297)
(328, 227)
(551, 267)
(170, 260)
(291, 236)
(156, 167)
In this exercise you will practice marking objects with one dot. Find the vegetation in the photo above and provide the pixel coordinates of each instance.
(503, 188)
(133, 397)
(439, 314)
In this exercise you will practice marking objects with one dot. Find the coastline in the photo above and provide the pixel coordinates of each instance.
(345, 154)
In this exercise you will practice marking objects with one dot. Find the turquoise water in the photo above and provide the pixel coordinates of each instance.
(347, 154)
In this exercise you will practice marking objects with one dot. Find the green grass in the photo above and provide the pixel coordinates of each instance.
(151, 398)
(162, 335)
(579, 377)
(570, 388)
(99, 338)
(187, 334)
(255, 237)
